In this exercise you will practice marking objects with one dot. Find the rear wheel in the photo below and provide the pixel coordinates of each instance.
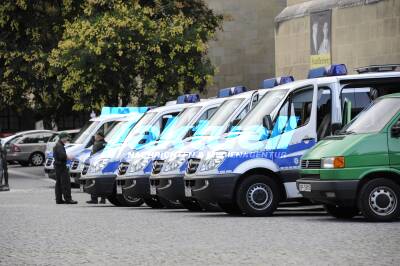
(36, 159)
(341, 212)
(379, 200)
(258, 195)
(230, 208)
(153, 202)
(192, 205)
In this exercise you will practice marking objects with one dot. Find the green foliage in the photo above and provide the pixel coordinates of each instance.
(91, 53)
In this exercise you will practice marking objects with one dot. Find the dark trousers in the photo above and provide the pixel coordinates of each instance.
(63, 183)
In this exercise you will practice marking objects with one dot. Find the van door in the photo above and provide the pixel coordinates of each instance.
(394, 146)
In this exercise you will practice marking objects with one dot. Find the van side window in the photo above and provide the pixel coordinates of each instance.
(106, 127)
(166, 119)
(359, 98)
(211, 112)
(243, 113)
(324, 112)
(296, 111)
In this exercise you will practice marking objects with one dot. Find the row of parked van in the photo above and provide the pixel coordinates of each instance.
(331, 138)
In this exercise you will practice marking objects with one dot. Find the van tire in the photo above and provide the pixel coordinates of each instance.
(136, 202)
(230, 208)
(341, 212)
(153, 202)
(379, 200)
(113, 199)
(258, 195)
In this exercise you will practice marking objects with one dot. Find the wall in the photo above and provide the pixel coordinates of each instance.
(244, 51)
(361, 35)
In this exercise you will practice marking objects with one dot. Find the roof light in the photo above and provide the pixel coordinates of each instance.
(378, 68)
(328, 71)
(188, 98)
(122, 110)
(272, 82)
(231, 91)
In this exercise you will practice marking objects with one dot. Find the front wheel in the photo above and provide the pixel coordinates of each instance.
(258, 195)
(379, 200)
(341, 212)
(128, 201)
(153, 202)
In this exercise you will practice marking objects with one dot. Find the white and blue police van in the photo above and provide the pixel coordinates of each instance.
(166, 180)
(84, 139)
(133, 177)
(255, 167)
(114, 139)
(100, 170)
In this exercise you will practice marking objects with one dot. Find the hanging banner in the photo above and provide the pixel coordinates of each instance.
(321, 36)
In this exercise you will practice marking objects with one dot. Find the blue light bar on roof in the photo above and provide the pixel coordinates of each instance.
(270, 83)
(122, 110)
(329, 71)
(222, 93)
(188, 98)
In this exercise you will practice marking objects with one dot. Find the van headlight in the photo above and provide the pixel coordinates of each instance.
(174, 162)
(332, 162)
(138, 164)
(99, 165)
(212, 161)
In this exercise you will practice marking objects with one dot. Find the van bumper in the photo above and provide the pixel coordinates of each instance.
(101, 186)
(335, 192)
(211, 188)
(168, 187)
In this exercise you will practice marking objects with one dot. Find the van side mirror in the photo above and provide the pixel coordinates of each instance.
(267, 122)
(335, 128)
(395, 131)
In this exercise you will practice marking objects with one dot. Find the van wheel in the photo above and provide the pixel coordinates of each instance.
(169, 204)
(153, 202)
(230, 208)
(128, 201)
(341, 212)
(113, 199)
(379, 200)
(191, 204)
(258, 195)
(36, 159)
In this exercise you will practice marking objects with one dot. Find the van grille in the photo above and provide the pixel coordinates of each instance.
(74, 165)
(310, 164)
(123, 168)
(193, 164)
(157, 166)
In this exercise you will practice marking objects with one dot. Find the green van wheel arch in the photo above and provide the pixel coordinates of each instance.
(389, 173)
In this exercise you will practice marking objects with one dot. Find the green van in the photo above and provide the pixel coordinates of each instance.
(358, 169)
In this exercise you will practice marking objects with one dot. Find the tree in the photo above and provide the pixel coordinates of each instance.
(29, 30)
(148, 51)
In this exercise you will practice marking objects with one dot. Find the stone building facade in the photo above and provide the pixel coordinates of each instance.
(364, 32)
(244, 51)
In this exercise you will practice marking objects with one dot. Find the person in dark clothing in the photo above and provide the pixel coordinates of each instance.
(63, 183)
(98, 145)
(3, 170)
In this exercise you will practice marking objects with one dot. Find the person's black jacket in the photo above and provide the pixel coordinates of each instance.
(98, 146)
(59, 153)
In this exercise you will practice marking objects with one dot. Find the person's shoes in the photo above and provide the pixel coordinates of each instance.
(92, 202)
(60, 202)
(103, 201)
(4, 188)
(70, 202)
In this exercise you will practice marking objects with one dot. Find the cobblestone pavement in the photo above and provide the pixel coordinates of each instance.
(36, 231)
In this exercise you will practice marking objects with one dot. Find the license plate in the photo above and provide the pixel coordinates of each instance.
(305, 187)
(188, 191)
(153, 190)
(119, 189)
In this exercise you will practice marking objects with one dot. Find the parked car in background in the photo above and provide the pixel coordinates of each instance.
(28, 148)
(53, 140)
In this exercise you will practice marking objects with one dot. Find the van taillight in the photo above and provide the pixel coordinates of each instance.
(15, 148)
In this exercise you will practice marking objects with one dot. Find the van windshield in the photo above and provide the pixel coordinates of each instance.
(85, 132)
(214, 125)
(180, 125)
(254, 118)
(374, 117)
(141, 126)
